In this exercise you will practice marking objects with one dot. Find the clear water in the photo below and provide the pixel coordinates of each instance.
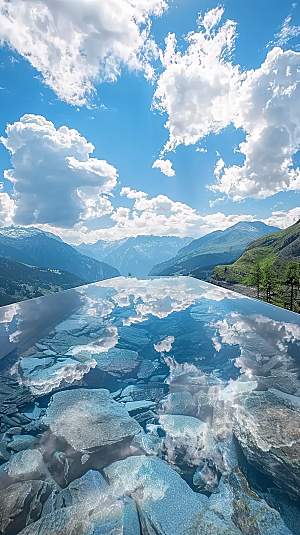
(170, 405)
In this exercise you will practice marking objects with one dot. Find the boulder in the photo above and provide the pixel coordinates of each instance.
(178, 403)
(239, 505)
(21, 442)
(267, 428)
(165, 503)
(117, 362)
(89, 419)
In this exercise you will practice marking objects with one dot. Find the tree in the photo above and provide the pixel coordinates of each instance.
(269, 282)
(256, 278)
(292, 279)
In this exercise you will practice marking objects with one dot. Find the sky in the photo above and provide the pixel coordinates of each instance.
(164, 117)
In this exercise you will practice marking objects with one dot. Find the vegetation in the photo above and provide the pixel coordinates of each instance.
(270, 264)
(19, 281)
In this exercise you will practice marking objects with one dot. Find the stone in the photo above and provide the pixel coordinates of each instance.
(21, 442)
(144, 392)
(34, 412)
(133, 338)
(133, 406)
(268, 432)
(13, 500)
(149, 444)
(165, 503)
(206, 477)
(42, 380)
(178, 403)
(87, 507)
(117, 362)
(14, 431)
(237, 503)
(25, 465)
(188, 438)
(89, 419)
(147, 368)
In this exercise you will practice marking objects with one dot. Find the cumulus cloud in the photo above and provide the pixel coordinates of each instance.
(202, 92)
(287, 32)
(55, 181)
(283, 219)
(7, 209)
(165, 166)
(269, 114)
(198, 86)
(77, 44)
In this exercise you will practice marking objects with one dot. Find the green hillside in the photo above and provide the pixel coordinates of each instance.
(274, 249)
(19, 281)
(265, 264)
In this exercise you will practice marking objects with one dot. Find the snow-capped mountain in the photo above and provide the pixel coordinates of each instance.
(34, 247)
(135, 255)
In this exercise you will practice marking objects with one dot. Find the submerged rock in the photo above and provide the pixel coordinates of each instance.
(117, 362)
(21, 442)
(178, 403)
(269, 434)
(237, 503)
(88, 419)
(87, 507)
(28, 464)
(18, 499)
(166, 504)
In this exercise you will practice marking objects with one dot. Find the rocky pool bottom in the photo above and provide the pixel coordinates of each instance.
(190, 456)
(166, 407)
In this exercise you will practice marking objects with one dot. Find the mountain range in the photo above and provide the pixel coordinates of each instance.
(135, 255)
(276, 250)
(19, 281)
(34, 247)
(200, 256)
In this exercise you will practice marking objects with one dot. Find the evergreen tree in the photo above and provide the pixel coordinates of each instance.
(269, 282)
(256, 278)
(292, 279)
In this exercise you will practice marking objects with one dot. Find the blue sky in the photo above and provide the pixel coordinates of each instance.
(233, 82)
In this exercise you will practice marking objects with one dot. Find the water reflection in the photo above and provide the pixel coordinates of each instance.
(152, 385)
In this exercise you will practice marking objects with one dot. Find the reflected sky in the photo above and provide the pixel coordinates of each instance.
(214, 330)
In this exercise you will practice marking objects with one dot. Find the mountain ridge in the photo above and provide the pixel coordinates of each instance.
(42, 250)
(226, 245)
(275, 249)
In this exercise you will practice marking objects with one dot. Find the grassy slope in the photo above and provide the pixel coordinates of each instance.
(19, 281)
(274, 249)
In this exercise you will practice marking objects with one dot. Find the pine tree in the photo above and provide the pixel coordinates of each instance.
(269, 282)
(292, 279)
(256, 278)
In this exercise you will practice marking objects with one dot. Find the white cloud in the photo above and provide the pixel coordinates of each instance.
(7, 209)
(55, 181)
(269, 114)
(202, 92)
(77, 44)
(198, 86)
(165, 166)
(286, 33)
(283, 219)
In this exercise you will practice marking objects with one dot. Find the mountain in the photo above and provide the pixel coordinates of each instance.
(19, 281)
(276, 249)
(43, 249)
(136, 255)
(201, 256)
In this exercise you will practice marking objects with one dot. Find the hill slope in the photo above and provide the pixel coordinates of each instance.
(37, 248)
(275, 249)
(19, 281)
(137, 254)
(203, 254)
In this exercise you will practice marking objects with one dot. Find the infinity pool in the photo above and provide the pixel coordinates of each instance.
(153, 407)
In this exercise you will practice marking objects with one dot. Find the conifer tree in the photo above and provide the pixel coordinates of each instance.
(292, 279)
